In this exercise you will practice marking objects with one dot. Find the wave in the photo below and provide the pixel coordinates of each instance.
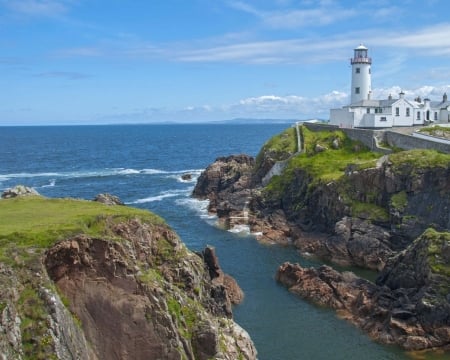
(200, 207)
(102, 173)
(51, 183)
(240, 229)
(161, 196)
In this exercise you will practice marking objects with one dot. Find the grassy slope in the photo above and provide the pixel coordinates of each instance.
(330, 164)
(38, 222)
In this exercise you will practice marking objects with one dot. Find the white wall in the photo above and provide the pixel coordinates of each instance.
(341, 118)
(402, 119)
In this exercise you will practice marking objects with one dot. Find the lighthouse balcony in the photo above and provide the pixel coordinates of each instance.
(361, 60)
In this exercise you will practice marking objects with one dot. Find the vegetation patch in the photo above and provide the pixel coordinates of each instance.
(280, 146)
(419, 159)
(323, 166)
(399, 201)
(30, 224)
(438, 251)
(438, 131)
(37, 342)
(369, 211)
(186, 315)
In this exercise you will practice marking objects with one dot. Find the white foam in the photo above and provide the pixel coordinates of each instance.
(152, 199)
(128, 171)
(200, 207)
(240, 229)
(51, 183)
(162, 195)
(102, 172)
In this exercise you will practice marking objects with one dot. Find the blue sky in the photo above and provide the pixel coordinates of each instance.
(142, 61)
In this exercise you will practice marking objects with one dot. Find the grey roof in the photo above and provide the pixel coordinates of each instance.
(373, 103)
(439, 104)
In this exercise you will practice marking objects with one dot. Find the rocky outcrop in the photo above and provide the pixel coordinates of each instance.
(108, 199)
(227, 185)
(19, 190)
(408, 306)
(135, 292)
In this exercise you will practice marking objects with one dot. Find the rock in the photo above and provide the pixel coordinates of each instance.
(406, 307)
(336, 144)
(108, 199)
(19, 190)
(319, 148)
(233, 293)
(186, 177)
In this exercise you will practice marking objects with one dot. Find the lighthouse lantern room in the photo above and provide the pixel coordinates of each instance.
(361, 77)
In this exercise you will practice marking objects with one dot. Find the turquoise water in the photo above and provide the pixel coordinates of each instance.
(143, 164)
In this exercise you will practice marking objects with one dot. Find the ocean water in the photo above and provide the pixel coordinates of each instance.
(143, 165)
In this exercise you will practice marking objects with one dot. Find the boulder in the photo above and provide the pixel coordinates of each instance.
(108, 199)
(19, 190)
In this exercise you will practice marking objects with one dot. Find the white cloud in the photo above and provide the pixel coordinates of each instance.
(324, 14)
(37, 8)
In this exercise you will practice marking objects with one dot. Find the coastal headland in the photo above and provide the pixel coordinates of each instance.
(99, 280)
(333, 197)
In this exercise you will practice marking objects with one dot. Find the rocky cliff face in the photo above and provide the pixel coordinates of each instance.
(134, 293)
(409, 306)
(360, 218)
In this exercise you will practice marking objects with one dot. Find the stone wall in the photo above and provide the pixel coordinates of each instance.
(370, 137)
(410, 142)
(366, 136)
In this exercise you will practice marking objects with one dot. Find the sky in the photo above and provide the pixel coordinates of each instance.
(147, 61)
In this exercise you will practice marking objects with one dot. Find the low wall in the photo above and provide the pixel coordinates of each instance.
(411, 142)
(368, 137)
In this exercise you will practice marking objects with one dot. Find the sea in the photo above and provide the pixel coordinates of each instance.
(143, 165)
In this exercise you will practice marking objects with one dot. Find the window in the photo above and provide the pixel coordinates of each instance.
(368, 110)
(383, 118)
(357, 70)
(435, 116)
(397, 111)
(418, 115)
(369, 70)
(407, 111)
(357, 90)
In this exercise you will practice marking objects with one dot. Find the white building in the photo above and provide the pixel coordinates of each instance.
(363, 112)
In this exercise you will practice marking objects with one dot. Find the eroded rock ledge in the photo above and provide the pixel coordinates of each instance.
(408, 306)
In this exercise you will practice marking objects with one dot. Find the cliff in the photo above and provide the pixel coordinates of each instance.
(361, 207)
(340, 201)
(408, 306)
(84, 280)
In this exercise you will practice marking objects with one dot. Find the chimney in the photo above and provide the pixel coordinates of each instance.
(368, 95)
(390, 97)
(402, 94)
(444, 97)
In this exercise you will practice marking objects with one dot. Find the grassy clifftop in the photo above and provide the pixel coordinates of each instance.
(36, 222)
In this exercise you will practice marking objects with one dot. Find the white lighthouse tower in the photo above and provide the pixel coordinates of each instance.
(361, 78)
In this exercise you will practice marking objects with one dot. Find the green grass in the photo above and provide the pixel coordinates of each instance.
(434, 129)
(280, 146)
(326, 166)
(436, 242)
(399, 201)
(369, 211)
(34, 223)
(419, 159)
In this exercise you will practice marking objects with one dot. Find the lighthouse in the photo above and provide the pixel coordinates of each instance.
(361, 78)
